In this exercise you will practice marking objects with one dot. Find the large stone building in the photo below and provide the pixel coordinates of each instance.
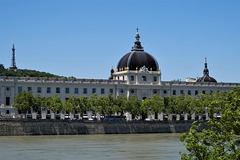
(137, 74)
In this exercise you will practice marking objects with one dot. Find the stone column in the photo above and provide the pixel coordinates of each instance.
(215, 115)
(71, 116)
(53, 115)
(2, 101)
(170, 117)
(186, 116)
(98, 116)
(128, 93)
(159, 79)
(62, 115)
(136, 79)
(193, 116)
(160, 116)
(128, 116)
(152, 116)
(207, 116)
(34, 115)
(178, 117)
(44, 114)
(89, 114)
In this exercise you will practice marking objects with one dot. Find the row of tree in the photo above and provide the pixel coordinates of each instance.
(108, 105)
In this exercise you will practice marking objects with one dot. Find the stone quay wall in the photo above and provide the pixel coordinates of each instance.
(20, 127)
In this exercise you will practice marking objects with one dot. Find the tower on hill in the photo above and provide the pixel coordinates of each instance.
(13, 65)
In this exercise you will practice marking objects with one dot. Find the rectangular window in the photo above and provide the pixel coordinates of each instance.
(94, 90)
(67, 90)
(165, 91)
(29, 89)
(76, 90)
(132, 78)
(154, 78)
(121, 91)
(7, 112)
(111, 90)
(84, 90)
(102, 91)
(7, 88)
(144, 78)
(174, 92)
(48, 90)
(181, 92)
(203, 92)
(189, 92)
(196, 92)
(19, 89)
(39, 90)
(57, 90)
(7, 101)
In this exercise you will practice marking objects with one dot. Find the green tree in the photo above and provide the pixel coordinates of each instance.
(54, 104)
(70, 105)
(23, 102)
(200, 104)
(146, 107)
(2, 67)
(94, 103)
(218, 101)
(133, 106)
(84, 105)
(222, 140)
(166, 101)
(158, 104)
(120, 104)
(106, 104)
(171, 104)
(39, 103)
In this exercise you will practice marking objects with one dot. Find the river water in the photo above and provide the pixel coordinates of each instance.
(92, 147)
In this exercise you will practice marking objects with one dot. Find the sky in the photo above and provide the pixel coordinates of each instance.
(85, 38)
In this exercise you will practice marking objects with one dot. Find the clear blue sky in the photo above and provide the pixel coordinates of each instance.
(85, 38)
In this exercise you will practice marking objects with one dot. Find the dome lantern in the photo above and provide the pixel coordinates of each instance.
(137, 46)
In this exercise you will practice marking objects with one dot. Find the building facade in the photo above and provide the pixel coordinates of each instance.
(137, 74)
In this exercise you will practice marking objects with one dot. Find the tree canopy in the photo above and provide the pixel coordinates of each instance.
(222, 140)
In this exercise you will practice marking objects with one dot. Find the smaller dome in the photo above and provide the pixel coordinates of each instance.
(206, 77)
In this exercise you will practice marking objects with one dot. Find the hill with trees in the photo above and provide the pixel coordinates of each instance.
(25, 73)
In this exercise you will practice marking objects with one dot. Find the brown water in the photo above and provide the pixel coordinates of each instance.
(88, 147)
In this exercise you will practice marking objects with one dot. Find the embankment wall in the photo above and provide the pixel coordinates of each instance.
(19, 127)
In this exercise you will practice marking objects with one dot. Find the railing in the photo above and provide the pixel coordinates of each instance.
(61, 80)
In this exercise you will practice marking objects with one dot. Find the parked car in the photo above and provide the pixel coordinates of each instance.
(148, 119)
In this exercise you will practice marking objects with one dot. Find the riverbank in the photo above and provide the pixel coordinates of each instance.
(19, 127)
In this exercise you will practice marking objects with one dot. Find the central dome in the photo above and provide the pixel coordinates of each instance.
(137, 58)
